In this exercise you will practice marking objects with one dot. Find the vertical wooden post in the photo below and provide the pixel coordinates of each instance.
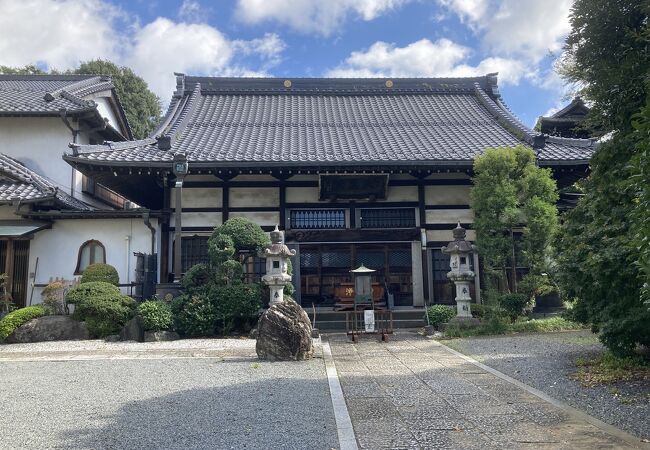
(178, 226)
(423, 222)
(9, 266)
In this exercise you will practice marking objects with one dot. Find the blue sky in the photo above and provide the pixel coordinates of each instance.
(520, 39)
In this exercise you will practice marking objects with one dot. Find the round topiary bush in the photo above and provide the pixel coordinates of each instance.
(439, 314)
(90, 290)
(236, 304)
(155, 315)
(245, 234)
(100, 272)
(221, 247)
(197, 277)
(102, 306)
(19, 317)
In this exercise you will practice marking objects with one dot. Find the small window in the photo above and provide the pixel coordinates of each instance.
(388, 218)
(324, 219)
(90, 252)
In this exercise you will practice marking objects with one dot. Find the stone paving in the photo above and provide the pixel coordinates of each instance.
(412, 393)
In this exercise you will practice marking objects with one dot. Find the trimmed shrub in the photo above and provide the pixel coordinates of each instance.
(52, 296)
(19, 317)
(86, 291)
(230, 272)
(245, 234)
(515, 305)
(199, 276)
(194, 315)
(102, 306)
(221, 247)
(236, 305)
(480, 311)
(439, 314)
(155, 315)
(100, 272)
(104, 314)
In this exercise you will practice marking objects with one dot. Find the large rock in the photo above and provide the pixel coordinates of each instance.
(132, 331)
(49, 328)
(284, 333)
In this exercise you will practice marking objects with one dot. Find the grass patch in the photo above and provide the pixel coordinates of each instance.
(497, 326)
(608, 368)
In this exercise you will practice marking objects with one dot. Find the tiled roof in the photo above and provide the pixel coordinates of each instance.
(240, 121)
(48, 94)
(17, 182)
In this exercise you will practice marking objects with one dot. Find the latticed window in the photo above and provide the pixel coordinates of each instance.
(388, 218)
(194, 251)
(306, 219)
(90, 252)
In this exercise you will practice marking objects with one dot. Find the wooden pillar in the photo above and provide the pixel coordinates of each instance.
(178, 228)
(423, 257)
(477, 278)
(9, 265)
(283, 205)
(225, 201)
(165, 236)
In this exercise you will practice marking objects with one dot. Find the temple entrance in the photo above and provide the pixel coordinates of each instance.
(326, 267)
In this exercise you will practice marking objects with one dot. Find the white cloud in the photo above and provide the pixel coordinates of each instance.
(66, 32)
(423, 58)
(191, 11)
(523, 28)
(58, 33)
(318, 16)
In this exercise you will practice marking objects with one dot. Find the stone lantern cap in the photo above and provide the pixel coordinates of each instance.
(277, 247)
(361, 270)
(459, 244)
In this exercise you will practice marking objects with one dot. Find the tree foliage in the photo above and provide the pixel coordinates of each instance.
(510, 193)
(608, 53)
(142, 107)
(29, 69)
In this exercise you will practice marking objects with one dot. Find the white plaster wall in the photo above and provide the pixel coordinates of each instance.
(39, 143)
(200, 219)
(260, 218)
(199, 197)
(106, 111)
(252, 197)
(447, 235)
(402, 194)
(57, 249)
(301, 194)
(446, 195)
(7, 213)
(451, 216)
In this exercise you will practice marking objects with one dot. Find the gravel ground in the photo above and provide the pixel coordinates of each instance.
(166, 403)
(94, 345)
(546, 361)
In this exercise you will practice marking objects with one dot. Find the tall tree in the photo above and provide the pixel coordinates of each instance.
(29, 69)
(142, 107)
(512, 194)
(608, 53)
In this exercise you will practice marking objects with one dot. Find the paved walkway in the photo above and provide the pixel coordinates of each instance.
(414, 393)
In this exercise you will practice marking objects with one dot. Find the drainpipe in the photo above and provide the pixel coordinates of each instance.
(63, 113)
(146, 217)
(127, 242)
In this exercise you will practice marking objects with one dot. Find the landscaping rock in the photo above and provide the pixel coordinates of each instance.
(49, 328)
(284, 333)
(112, 338)
(132, 331)
(160, 336)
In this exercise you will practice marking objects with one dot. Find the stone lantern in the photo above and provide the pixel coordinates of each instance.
(277, 276)
(459, 251)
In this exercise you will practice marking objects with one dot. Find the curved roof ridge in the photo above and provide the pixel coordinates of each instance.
(503, 115)
(72, 89)
(109, 146)
(184, 113)
(571, 141)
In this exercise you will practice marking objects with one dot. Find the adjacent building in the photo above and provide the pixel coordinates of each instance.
(55, 221)
(357, 171)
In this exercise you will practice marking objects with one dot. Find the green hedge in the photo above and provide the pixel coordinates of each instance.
(100, 272)
(515, 305)
(86, 291)
(155, 315)
(19, 317)
(439, 314)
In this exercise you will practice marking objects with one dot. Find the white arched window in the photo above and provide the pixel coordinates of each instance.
(90, 252)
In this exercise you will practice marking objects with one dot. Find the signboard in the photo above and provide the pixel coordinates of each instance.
(369, 320)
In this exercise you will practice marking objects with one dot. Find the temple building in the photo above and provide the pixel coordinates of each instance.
(356, 171)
